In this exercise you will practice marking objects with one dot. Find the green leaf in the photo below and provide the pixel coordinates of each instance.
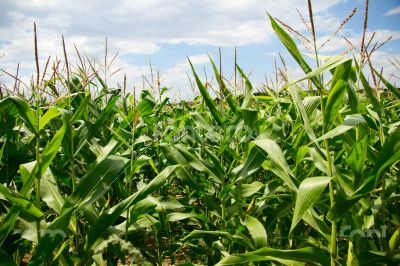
(48, 154)
(49, 115)
(146, 105)
(308, 254)
(178, 216)
(316, 222)
(207, 98)
(340, 207)
(97, 180)
(227, 94)
(394, 239)
(215, 235)
(247, 190)
(280, 166)
(55, 233)
(294, 92)
(257, 231)
(370, 257)
(389, 154)
(81, 110)
(349, 123)
(260, 151)
(357, 156)
(392, 88)
(249, 88)
(8, 222)
(293, 50)
(20, 200)
(51, 149)
(334, 101)
(200, 164)
(23, 109)
(307, 196)
(330, 63)
(368, 91)
(112, 214)
(49, 191)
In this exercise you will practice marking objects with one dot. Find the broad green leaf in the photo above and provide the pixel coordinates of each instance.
(330, 63)
(29, 229)
(307, 196)
(215, 235)
(146, 105)
(349, 122)
(247, 190)
(200, 164)
(47, 156)
(308, 254)
(23, 109)
(106, 112)
(357, 156)
(261, 150)
(280, 166)
(8, 222)
(340, 207)
(51, 149)
(49, 115)
(334, 101)
(49, 191)
(48, 186)
(97, 180)
(178, 216)
(20, 200)
(317, 222)
(370, 257)
(250, 117)
(394, 239)
(257, 231)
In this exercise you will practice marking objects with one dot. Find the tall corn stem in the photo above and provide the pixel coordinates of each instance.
(333, 247)
(37, 135)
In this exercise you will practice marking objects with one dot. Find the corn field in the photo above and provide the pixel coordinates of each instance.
(304, 175)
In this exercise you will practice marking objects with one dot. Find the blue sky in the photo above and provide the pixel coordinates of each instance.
(166, 31)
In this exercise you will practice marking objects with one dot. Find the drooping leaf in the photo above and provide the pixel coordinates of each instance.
(257, 231)
(308, 254)
(307, 196)
(23, 109)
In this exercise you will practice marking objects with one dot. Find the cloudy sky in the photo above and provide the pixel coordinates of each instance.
(165, 32)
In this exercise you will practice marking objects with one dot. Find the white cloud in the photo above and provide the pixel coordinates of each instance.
(145, 27)
(392, 12)
(338, 44)
(177, 76)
